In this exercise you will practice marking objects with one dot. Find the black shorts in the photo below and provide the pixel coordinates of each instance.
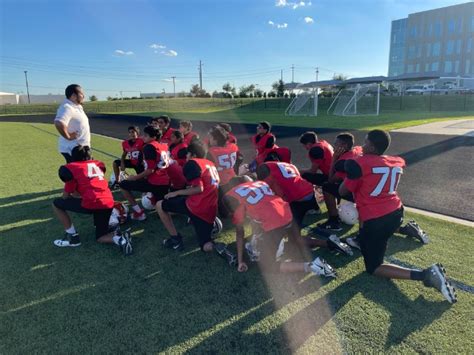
(142, 185)
(128, 165)
(315, 178)
(202, 228)
(68, 157)
(373, 237)
(300, 208)
(101, 217)
(267, 245)
(333, 189)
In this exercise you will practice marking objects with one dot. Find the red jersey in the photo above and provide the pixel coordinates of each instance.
(224, 158)
(176, 175)
(166, 136)
(321, 153)
(373, 181)
(232, 138)
(285, 180)
(202, 172)
(353, 154)
(190, 137)
(156, 158)
(133, 148)
(258, 202)
(178, 152)
(263, 145)
(87, 178)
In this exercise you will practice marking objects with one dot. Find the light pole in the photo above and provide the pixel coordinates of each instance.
(174, 86)
(27, 88)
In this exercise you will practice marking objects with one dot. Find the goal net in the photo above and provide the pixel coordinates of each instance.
(305, 104)
(357, 100)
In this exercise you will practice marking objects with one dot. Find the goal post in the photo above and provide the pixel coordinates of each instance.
(304, 104)
(357, 100)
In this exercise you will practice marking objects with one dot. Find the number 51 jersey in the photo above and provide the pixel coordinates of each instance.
(373, 180)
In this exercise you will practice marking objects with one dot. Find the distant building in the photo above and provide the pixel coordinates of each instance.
(41, 99)
(438, 41)
(8, 98)
(153, 95)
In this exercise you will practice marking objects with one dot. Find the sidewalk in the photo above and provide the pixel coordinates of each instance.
(464, 127)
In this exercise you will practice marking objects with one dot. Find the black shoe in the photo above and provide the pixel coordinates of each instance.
(412, 229)
(174, 242)
(330, 225)
(222, 250)
(435, 276)
(334, 243)
(126, 243)
(69, 240)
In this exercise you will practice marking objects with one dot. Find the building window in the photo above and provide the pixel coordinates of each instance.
(437, 29)
(469, 45)
(436, 50)
(417, 68)
(428, 50)
(450, 47)
(467, 68)
(413, 32)
(427, 67)
(451, 26)
(471, 27)
(458, 46)
(435, 66)
(410, 68)
(411, 52)
(418, 51)
(456, 66)
(448, 66)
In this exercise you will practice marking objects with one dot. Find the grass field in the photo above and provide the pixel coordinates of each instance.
(94, 300)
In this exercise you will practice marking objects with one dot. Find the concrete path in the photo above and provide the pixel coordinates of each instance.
(451, 128)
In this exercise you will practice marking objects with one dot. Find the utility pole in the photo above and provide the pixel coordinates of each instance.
(292, 73)
(121, 95)
(200, 74)
(281, 75)
(174, 86)
(317, 73)
(27, 88)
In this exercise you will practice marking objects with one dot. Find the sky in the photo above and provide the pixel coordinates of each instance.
(114, 48)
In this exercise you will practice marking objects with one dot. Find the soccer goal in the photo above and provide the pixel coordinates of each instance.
(305, 104)
(358, 100)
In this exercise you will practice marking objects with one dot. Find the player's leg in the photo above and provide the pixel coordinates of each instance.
(116, 168)
(164, 208)
(105, 236)
(127, 186)
(60, 208)
(317, 179)
(300, 208)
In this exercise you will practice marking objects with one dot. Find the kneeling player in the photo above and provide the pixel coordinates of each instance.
(272, 220)
(189, 136)
(132, 157)
(199, 202)
(373, 179)
(320, 154)
(86, 177)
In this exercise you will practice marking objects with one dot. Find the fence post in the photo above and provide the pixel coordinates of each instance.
(431, 94)
(465, 98)
(401, 101)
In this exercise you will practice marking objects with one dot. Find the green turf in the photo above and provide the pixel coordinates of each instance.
(94, 300)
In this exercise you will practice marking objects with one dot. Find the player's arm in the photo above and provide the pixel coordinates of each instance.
(336, 167)
(69, 183)
(149, 157)
(192, 173)
(353, 180)
(316, 155)
(122, 160)
(240, 242)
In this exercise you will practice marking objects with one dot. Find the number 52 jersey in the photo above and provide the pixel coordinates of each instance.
(373, 180)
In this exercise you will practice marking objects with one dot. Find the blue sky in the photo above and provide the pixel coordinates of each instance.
(106, 46)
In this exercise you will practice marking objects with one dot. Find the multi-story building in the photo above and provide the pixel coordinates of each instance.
(438, 42)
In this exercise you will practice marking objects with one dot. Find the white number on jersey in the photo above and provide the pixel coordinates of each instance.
(257, 191)
(226, 161)
(214, 175)
(164, 161)
(94, 171)
(385, 171)
(287, 170)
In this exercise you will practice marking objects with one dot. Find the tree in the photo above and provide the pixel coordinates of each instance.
(258, 93)
(341, 77)
(93, 98)
(110, 98)
(228, 89)
(279, 88)
(195, 90)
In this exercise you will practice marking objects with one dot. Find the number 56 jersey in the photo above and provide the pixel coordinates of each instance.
(373, 180)
(87, 178)
(259, 203)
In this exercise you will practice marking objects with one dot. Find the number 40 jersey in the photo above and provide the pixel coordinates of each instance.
(87, 178)
(373, 180)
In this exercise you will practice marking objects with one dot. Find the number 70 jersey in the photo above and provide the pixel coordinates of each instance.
(373, 181)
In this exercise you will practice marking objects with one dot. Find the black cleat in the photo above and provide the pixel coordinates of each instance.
(175, 243)
(334, 243)
(329, 225)
(69, 240)
(126, 243)
(412, 229)
(222, 250)
(435, 276)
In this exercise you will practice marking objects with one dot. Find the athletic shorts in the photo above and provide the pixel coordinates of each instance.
(142, 185)
(374, 235)
(101, 217)
(68, 157)
(267, 245)
(128, 165)
(317, 179)
(202, 228)
(333, 189)
(301, 207)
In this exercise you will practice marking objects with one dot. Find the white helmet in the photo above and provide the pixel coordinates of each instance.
(216, 228)
(119, 214)
(348, 213)
(148, 201)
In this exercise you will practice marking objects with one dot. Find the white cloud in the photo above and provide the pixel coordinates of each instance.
(170, 53)
(157, 46)
(278, 25)
(293, 5)
(121, 53)
(308, 19)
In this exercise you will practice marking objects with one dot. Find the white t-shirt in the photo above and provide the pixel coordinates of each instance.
(76, 120)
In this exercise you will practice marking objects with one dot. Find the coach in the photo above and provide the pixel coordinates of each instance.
(72, 123)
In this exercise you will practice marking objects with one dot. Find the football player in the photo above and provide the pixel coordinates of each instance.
(189, 136)
(320, 154)
(178, 152)
(132, 157)
(164, 124)
(198, 202)
(373, 180)
(154, 178)
(85, 176)
(271, 220)
(263, 142)
(228, 129)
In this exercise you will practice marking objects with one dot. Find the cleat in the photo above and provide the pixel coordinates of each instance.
(216, 228)
(435, 276)
(69, 240)
(319, 266)
(138, 216)
(126, 243)
(353, 242)
(252, 253)
(412, 229)
(334, 243)
(175, 243)
(333, 226)
(222, 250)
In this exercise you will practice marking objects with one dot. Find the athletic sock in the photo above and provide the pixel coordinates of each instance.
(307, 267)
(71, 230)
(137, 208)
(417, 275)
